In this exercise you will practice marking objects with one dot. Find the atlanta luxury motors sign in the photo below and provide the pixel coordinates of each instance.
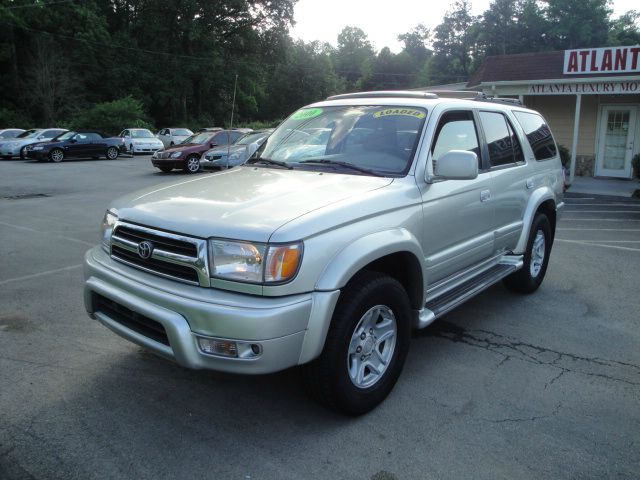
(602, 60)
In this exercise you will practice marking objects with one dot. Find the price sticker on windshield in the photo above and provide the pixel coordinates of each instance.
(405, 112)
(306, 114)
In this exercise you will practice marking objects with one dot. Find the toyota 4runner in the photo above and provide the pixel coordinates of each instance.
(360, 218)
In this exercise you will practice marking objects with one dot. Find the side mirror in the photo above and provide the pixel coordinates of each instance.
(457, 165)
(213, 144)
(41, 137)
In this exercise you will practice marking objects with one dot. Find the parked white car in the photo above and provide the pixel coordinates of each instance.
(15, 147)
(173, 136)
(140, 140)
(10, 133)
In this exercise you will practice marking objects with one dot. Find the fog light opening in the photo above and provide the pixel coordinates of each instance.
(229, 348)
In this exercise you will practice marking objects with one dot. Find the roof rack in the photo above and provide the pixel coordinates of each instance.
(384, 94)
(460, 94)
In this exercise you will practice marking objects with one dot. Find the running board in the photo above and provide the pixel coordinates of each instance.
(452, 298)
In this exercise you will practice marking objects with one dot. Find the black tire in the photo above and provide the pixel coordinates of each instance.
(111, 153)
(327, 378)
(526, 280)
(190, 164)
(23, 153)
(56, 155)
(165, 169)
(131, 152)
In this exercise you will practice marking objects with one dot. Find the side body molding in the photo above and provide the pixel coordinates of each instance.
(538, 197)
(365, 250)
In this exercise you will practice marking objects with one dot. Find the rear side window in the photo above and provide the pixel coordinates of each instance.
(538, 134)
(504, 147)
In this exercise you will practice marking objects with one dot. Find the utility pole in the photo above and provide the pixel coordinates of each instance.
(233, 104)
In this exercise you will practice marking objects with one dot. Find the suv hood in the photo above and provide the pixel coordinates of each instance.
(247, 203)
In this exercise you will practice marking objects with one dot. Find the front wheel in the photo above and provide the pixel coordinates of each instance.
(112, 153)
(366, 345)
(192, 164)
(23, 153)
(536, 258)
(56, 155)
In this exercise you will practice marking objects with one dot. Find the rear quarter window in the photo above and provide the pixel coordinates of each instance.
(538, 134)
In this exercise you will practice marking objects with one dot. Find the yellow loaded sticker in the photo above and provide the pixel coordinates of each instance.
(407, 112)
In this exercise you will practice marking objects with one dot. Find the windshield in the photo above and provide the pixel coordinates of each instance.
(380, 139)
(64, 136)
(182, 132)
(199, 138)
(28, 134)
(141, 134)
(250, 138)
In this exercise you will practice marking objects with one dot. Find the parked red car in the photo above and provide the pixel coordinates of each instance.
(186, 155)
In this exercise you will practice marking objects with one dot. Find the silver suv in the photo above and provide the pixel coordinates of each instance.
(360, 218)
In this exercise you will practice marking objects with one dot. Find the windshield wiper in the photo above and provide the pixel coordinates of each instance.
(344, 164)
(268, 161)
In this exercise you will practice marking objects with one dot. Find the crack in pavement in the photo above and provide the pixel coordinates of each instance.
(511, 348)
(527, 419)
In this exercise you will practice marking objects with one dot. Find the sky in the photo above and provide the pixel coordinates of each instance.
(384, 20)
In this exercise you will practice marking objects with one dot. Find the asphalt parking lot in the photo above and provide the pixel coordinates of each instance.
(504, 387)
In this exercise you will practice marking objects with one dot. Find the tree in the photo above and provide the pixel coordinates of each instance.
(354, 50)
(624, 30)
(577, 23)
(455, 44)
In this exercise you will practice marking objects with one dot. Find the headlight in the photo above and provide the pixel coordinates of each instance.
(253, 262)
(108, 222)
(235, 156)
(35, 148)
(176, 155)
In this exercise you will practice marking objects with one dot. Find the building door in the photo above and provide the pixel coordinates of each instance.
(616, 140)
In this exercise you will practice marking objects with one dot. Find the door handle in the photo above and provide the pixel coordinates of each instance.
(485, 195)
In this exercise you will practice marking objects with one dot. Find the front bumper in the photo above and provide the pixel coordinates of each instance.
(290, 330)
(10, 152)
(146, 148)
(169, 162)
(37, 154)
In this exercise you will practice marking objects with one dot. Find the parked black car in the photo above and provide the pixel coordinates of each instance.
(82, 144)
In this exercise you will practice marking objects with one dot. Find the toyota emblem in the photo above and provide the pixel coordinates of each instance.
(145, 249)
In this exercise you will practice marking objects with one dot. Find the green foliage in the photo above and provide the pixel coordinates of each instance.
(635, 161)
(112, 117)
(13, 119)
(565, 155)
(61, 61)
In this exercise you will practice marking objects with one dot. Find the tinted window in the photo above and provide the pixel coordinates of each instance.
(504, 147)
(233, 136)
(221, 138)
(456, 131)
(538, 134)
(50, 133)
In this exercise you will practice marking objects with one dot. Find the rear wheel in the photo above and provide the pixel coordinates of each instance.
(112, 153)
(131, 152)
(536, 258)
(56, 155)
(366, 346)
(192, 164)
(23, 153)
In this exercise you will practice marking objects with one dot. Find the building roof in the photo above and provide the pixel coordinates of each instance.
(526, 66)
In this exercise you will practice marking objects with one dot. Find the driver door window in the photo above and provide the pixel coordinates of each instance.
(456, 131)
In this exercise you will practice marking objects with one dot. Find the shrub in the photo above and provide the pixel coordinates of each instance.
(112, 117)
(635, 161)
(14, 119)
(565, 155)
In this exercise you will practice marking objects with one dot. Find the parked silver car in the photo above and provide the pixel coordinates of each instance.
(416, 203)
(173, 136)
(228, 156)
(140, 140)
(10, 133)
(16, 147)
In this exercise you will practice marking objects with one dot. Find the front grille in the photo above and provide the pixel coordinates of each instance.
(158, 266)
(173, 256)
(130, 319)
(165, 243)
